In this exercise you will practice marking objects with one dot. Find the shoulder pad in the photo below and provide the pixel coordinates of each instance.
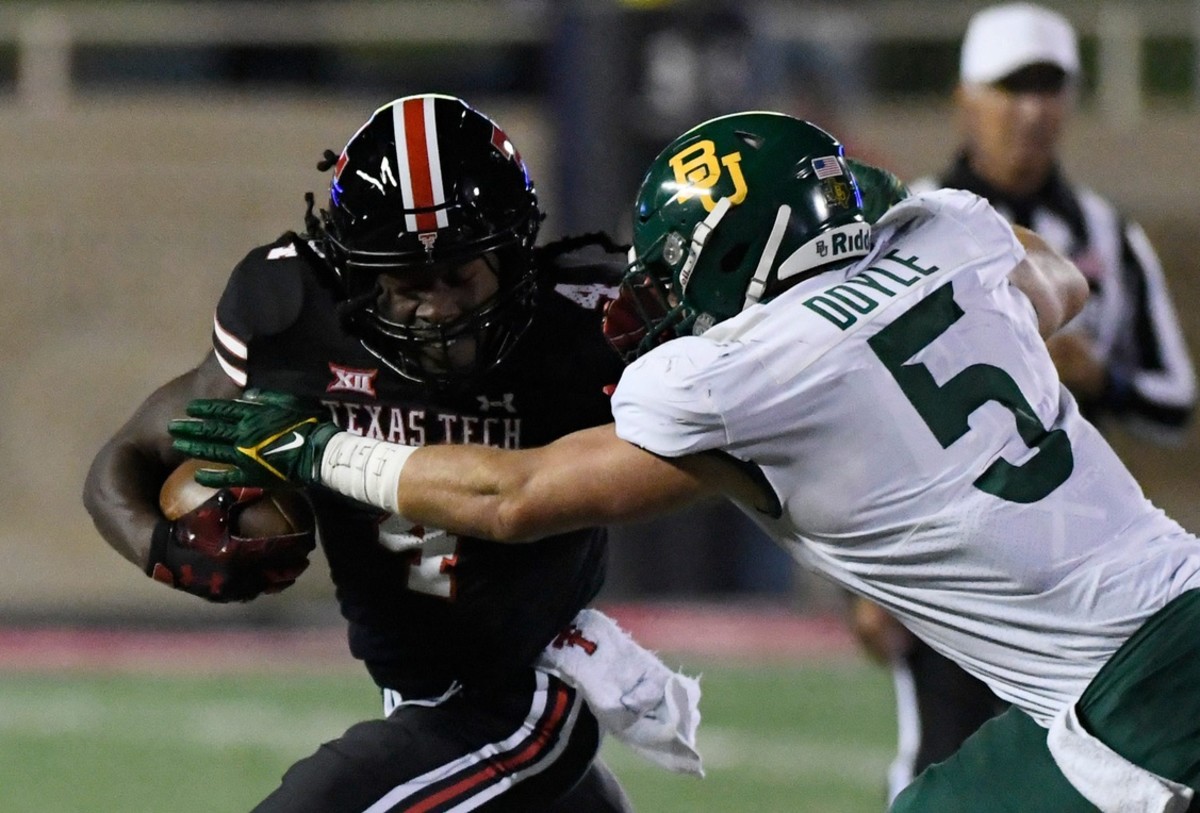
(265, 292)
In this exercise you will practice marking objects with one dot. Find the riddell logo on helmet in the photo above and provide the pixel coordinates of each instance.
(843, 243)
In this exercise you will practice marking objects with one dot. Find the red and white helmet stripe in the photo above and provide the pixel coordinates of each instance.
(419, 163)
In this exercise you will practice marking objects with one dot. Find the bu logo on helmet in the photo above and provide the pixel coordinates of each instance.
(698, 170)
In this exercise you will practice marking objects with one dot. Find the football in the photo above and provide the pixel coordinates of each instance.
(264, 512)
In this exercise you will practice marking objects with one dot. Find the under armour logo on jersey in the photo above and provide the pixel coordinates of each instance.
(281, 252)
(352, 379)
(505, 401)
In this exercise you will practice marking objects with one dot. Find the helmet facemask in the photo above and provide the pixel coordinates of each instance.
(442, 353)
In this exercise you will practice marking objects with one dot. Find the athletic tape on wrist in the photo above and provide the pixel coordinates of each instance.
(365, 469)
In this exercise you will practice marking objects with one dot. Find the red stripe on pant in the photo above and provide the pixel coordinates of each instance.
(492, 769)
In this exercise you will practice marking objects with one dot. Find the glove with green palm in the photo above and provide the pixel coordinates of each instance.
(270, 438)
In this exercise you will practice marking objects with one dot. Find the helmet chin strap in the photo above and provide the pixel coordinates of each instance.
(700, 235)
(758, 284)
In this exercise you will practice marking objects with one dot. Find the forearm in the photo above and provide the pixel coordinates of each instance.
(121, 489)
(588, 478)
(121, 495)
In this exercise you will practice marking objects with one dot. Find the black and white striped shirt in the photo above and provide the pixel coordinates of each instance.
(1129, 316)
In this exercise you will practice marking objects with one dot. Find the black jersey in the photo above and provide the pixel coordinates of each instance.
(450, 608)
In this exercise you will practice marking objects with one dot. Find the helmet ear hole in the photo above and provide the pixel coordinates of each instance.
(732, 260)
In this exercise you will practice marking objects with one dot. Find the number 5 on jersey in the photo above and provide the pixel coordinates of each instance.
(946, 409)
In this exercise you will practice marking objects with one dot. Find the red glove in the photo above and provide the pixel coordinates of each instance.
(201, 554)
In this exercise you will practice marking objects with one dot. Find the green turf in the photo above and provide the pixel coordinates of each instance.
(774, 738)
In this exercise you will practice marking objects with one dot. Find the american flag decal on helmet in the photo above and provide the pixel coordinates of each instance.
(419, 163)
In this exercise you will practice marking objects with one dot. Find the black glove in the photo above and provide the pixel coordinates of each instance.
(201, 554)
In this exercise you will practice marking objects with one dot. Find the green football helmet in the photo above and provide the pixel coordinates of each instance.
(732, 213)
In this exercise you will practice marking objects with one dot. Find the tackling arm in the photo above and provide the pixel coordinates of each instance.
(122, 485)
(587, 478)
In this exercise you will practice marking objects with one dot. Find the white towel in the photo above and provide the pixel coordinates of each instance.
(1104, 777)
(633, 694)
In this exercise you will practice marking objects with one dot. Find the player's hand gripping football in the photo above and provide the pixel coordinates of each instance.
(201, 552)
(269, 438)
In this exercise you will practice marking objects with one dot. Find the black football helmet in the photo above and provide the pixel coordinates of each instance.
(428, 182)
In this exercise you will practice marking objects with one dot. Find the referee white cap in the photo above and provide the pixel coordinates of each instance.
(1002, 40)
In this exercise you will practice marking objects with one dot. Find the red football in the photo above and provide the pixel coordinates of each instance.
(266, 512)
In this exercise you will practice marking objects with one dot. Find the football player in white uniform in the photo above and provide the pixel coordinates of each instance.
(882, 403)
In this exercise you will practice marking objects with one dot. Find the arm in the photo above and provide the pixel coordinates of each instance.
(591, 477)
(122, 485)
(1055, 287)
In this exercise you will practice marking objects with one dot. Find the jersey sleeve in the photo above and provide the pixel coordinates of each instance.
(263, 297)
(983, 241)
(666, 401)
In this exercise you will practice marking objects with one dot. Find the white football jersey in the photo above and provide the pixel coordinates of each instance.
(907, 416)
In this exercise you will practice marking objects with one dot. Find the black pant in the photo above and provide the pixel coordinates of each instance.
(522, 748)
(946, 704)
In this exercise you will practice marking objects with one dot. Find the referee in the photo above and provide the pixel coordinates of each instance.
(1123, 357)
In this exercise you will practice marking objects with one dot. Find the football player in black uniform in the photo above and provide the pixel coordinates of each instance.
(415, 309)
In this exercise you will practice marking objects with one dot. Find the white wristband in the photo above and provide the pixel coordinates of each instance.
(365, 469)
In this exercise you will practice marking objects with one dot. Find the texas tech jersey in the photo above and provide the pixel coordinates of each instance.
(451, 607)
(906, 414)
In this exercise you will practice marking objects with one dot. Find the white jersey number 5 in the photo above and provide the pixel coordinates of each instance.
(946, 408)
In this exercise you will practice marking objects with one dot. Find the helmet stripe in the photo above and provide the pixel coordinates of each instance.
(435, 164)
(418, 159)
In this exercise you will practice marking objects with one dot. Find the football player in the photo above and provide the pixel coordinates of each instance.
(1124, 357)
(881, 400)
(415, 309)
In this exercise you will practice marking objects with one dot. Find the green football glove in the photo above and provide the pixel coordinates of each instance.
(270, 438)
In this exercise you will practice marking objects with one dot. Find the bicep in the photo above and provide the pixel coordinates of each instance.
(146, 430)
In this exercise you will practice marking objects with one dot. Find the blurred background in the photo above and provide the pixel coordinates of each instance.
(148, 145)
